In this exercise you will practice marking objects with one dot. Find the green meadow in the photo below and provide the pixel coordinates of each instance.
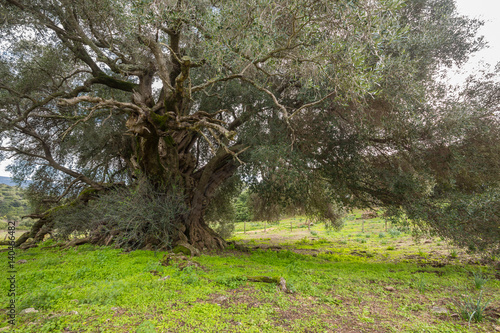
(367, 277)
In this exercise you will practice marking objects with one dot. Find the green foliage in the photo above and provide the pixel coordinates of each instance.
(231, 282)
(242, 207)
(468, 219)
(188, 275)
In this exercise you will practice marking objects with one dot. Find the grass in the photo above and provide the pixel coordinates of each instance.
(334, 281)
(480, 279)
(472, 307)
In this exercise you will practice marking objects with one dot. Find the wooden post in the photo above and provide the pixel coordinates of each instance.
(291, 226)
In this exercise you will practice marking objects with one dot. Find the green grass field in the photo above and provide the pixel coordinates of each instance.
(346, 281)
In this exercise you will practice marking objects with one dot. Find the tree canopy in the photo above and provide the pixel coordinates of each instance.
(319, 104)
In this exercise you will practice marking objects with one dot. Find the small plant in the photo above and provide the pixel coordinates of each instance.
(390, 248)
(292, 268)
(232, 282)
(381, 235)
(420, 284)
(368, 236)
(291, 288)
(314, 233)
(146, 327)
(471, 309)
(394, 233)
(304, 241)
(479, 279)
(422, 254)
(49, 242)
(188, 275)
(453, 254)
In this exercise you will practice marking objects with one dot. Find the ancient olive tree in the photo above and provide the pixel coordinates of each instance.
(318, 103)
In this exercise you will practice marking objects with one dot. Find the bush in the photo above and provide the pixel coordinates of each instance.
(134, 217)
(394, 232)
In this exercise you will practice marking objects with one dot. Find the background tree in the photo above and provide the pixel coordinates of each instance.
(316, 101)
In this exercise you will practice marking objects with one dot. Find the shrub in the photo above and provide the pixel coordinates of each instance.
(394, 232)
(134, 217)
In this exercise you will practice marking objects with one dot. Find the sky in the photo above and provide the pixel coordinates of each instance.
(486, 10)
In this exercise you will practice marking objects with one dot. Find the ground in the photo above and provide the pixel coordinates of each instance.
(346, 281)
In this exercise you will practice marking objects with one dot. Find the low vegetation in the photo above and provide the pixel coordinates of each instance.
(13, 205)
(336, 281)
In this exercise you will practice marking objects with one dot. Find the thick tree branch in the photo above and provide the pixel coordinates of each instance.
(103, 103)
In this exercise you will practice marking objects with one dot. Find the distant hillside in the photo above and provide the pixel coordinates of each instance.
(13, 203)
(7, 181)
(10, 182)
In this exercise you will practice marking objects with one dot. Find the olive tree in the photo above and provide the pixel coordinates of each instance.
(317, 103)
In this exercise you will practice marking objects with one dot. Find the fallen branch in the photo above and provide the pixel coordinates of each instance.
(79, 241)
(280, 281)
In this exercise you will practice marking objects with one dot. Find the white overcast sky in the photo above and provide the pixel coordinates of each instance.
(486, 10)
(489, 12)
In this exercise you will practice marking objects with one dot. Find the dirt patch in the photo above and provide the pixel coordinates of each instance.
(309, 252)
(438, 273)
(243, 295)
(492, 313)
(258, 231)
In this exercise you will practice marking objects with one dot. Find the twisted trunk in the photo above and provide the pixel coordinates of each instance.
(167, 162)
